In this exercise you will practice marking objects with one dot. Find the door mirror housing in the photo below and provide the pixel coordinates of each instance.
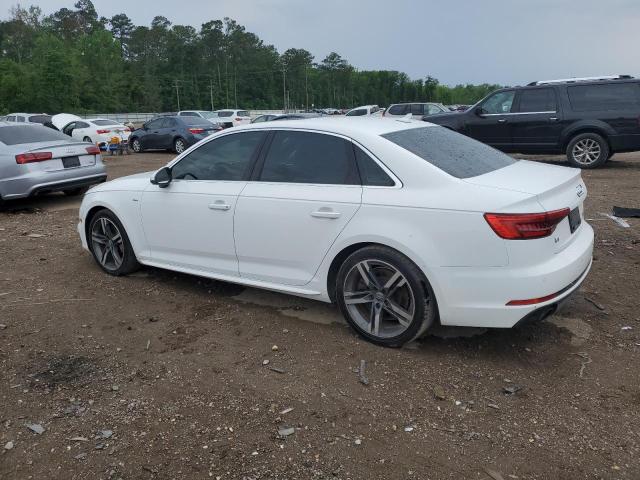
(162, 178)
(480, 111)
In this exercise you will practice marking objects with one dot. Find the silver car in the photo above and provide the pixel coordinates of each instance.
(36, 159)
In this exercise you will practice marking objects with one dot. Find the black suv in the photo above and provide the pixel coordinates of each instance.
(589, 119)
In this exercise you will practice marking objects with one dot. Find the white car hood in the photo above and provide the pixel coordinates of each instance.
(137, 182)
(61, 120)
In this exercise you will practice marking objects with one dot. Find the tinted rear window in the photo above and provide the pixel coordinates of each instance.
(398, 109)
(243, 113)
(451, 152)
(538, 100)
(29, 134)
(40, 118)
(357, 113)
(225, 114)
(610, 96)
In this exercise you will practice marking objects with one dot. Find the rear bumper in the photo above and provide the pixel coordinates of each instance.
(478, 297)
(44, 182)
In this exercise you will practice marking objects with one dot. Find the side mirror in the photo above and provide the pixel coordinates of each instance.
(162, 178)
(480, 111)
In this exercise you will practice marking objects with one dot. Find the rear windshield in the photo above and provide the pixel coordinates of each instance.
(225, 114)
(40, 118)
(29, 134)
(608, 96)
(243, 113)
(104, 123)
(451, 152)
(194, 121)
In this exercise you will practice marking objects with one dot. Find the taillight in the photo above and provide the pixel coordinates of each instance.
(102, 131)
(523, 226)
(23, 158)
(238, 119)
(196, 130)
(93, 150)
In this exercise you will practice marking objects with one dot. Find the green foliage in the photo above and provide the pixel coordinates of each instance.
(75, 61)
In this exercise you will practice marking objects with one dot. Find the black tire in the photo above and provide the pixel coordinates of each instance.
(87, 139)
(424, 305)
(129, 262)
(598, 147)
(136, 145)
(74, 192)
(179, 145)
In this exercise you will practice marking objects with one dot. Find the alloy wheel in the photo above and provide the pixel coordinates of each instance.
(107, 244)
(180, 146)
(586, 151)
(136, 146)
(378, 298)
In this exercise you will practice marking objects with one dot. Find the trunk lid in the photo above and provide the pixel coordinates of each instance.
(554, 187)
(64, 156)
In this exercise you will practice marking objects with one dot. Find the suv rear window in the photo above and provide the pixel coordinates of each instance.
(609, 96)
(29, 134)
(225, 114)
(40, 118)
(243, 113)
(451, 152)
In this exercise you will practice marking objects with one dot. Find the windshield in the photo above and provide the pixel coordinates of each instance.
(209, 114)
(451, 152)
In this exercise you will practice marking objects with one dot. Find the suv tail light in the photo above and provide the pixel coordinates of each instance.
(196, 130)
(523, 226)
(23, 158)
(93, 150)
(102, 131)
(238, 119)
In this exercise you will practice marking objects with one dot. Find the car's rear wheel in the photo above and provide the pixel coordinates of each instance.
(136, 146)
(110, 245)
(179, 145)
(587, 150)
(87, 139)
(385, 297)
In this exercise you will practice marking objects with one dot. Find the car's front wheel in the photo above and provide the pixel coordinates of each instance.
(587, 150)
(110, 245)
(136, 146)
(385, 297)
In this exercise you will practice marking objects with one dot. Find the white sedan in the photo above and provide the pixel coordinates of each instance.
(403, 224)
(98, 131)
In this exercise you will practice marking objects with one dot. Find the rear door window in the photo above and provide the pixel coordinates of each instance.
(417, 109)
(19, 134)
(453, 153)
(603, 97)
(307, 157)
(357, 113)
(537, 100)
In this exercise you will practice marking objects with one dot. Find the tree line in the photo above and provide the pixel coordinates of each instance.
(77, 61)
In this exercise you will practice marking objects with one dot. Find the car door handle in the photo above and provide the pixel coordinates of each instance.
(502, 120)
(325, 214)
(219, 206)
(553, 119)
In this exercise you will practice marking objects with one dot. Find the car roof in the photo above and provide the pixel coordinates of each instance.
(354, 127)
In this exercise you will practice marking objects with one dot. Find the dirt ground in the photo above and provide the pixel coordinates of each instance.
(164, 376)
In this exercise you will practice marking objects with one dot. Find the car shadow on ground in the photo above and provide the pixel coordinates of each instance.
(50, 202)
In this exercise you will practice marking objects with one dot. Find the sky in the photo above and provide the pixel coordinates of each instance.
(508, 42)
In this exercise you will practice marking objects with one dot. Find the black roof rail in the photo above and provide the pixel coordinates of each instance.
(580, 79)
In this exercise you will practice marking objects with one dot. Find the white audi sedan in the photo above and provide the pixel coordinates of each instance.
(403, 224)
